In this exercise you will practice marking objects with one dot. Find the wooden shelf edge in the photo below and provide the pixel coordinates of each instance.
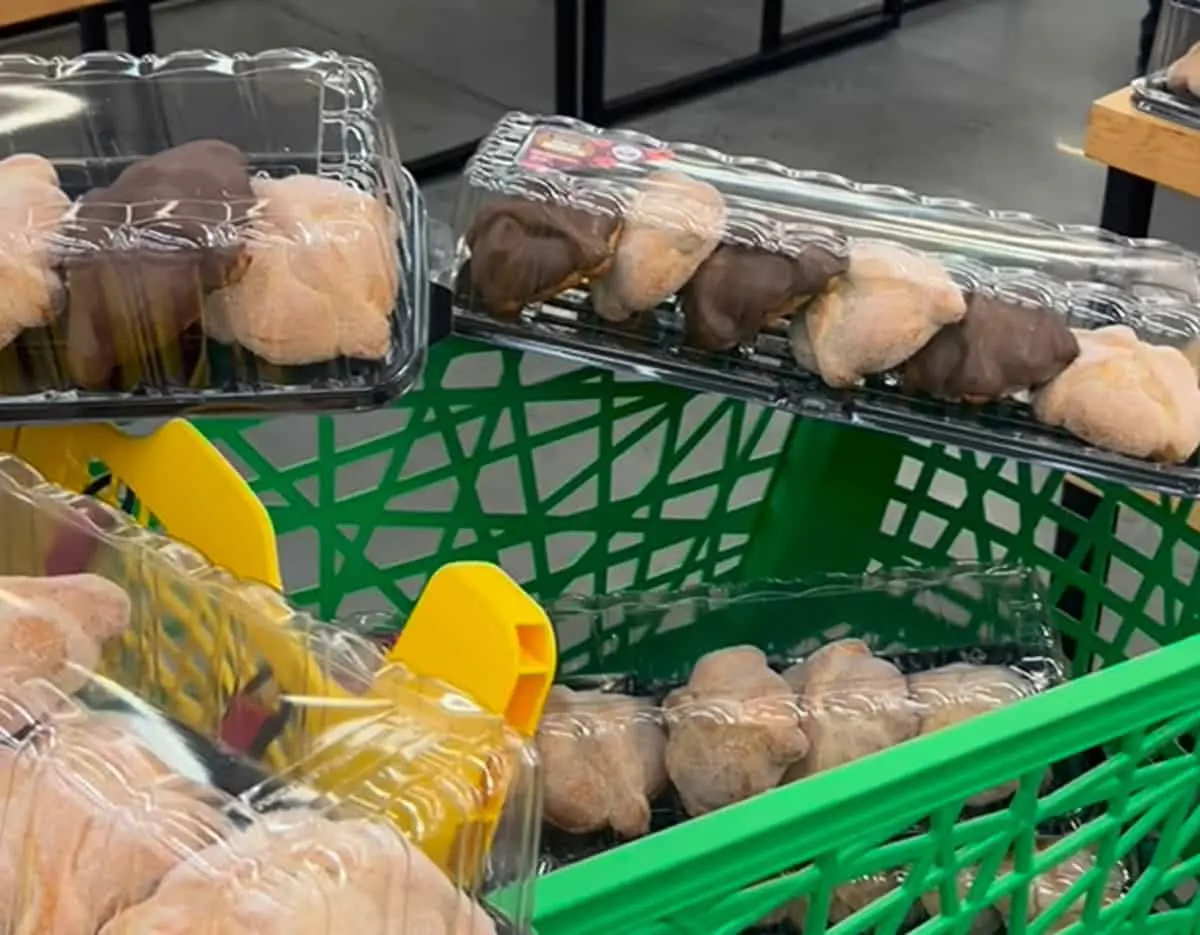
(13, 12)
(1121, 136)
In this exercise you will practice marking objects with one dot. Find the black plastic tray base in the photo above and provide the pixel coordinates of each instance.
(768, 376)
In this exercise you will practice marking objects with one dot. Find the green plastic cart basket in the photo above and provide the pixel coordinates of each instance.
(583, 480)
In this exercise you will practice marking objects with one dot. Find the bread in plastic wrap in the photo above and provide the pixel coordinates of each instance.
(853, 704)
(945, 304)
(891, 301)
(302, 872)
(55, 628)
(182, 206)
(91, 823)
(321, 278)
(672, 225)
(738, 291)
(847, 899)
(733, 730)
(100, 833)
(150, 263)
(1044, 891)
(31, 204)
(1050, 886)
(227, 661)
(999, 348)
(604, 761)
(961, 691)
(1125, 395)
(936, 647)
(524, 251)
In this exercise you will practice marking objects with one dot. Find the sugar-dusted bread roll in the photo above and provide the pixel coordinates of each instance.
(92, 821)
(673, 223)
(298, 872)
(885, 309)
(603, 759)
(1127, 396)
(322, 277)
(733, 730)
(853, 704)
(31, 205)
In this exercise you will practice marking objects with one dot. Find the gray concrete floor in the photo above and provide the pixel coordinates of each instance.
(980, 99)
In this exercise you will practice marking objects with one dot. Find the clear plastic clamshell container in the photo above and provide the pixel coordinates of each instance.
(861, 303)
(1172, 87)
(230, 685)
(672, 705)
(202, 231)
(112, 824)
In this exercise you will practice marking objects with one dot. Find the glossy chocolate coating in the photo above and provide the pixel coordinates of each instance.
(738, 290)
(151, 246)
(998, 348)
(524, 252)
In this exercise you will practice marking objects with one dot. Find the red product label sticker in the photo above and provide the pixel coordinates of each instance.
(549, 148)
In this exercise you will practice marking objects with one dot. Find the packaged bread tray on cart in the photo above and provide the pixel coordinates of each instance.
(110, 826)
(231, 685)
(1173, 91)
(687, 702)
(865, 303)
(202, 231)
(673, 705)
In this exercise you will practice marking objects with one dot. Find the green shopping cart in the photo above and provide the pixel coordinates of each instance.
(589, 481)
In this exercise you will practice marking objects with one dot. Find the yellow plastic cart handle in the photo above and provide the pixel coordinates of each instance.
(178, 476)
(475, 628)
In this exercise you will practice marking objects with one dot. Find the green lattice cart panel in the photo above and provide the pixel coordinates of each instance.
(572, 479)
(581, 480)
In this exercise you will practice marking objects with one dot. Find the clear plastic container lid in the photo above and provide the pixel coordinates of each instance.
(203, 231)
(929, 317)
(103, 829)
(1172, 88)
(231, 686)
(682, 703)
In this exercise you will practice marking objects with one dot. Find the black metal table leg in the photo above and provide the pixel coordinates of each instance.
(93, 30)
(770, 33)
(1127, 208)
(567, 96)
(595, 45)
(566, 57)
(1128, 204)
(139, 27)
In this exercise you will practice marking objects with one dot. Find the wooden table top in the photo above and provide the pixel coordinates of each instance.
(22, 11)
(1121, 136)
